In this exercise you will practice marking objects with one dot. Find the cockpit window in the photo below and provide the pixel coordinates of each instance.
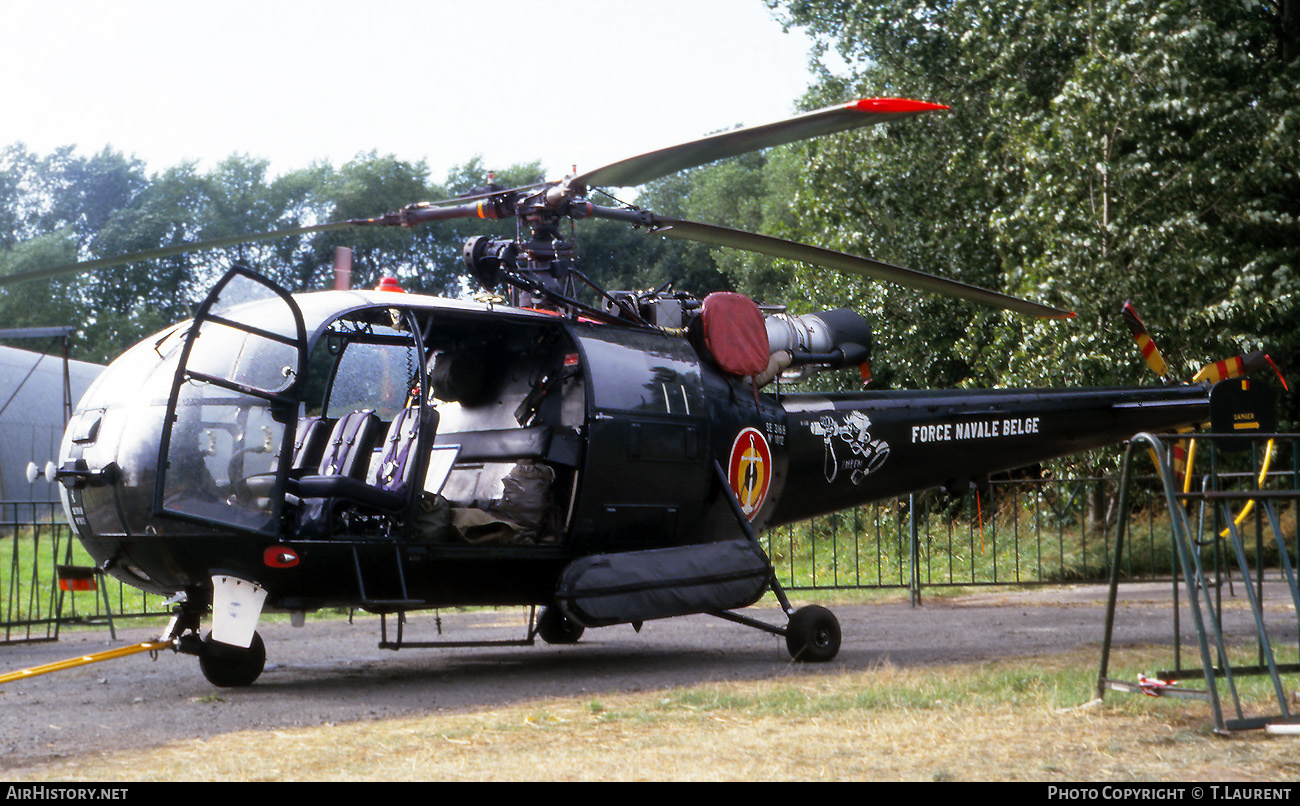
(375, 367)
(243, 357)
(230, 404)
(374, 376)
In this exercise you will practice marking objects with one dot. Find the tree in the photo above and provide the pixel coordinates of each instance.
(46, 303)
(53, 207)
(1163, 144)
(425, 259)
(41, 195)
(1139, 149)
(619, 257)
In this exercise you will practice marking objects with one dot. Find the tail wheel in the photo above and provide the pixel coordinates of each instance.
(556, 628)
(813, 635)
(229, 666)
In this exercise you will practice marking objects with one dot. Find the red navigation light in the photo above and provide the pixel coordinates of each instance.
(280, 557)
(390, 284)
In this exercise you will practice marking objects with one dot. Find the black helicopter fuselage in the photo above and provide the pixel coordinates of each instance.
(544, 439)
(393, 452)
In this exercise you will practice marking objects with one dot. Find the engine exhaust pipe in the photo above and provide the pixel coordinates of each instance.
(818, 333)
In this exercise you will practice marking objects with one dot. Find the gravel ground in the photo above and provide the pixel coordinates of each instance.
(333, 671)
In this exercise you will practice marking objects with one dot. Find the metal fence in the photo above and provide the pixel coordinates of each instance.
(1234, 526)
(1023, 532)
(1011, 532)
(50, 582)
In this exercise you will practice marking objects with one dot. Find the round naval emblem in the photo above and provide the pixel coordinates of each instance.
(750, 470)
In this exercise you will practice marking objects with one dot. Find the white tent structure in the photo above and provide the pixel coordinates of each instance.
(32, 412)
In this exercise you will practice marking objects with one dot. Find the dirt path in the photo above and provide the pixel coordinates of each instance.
(329, 672)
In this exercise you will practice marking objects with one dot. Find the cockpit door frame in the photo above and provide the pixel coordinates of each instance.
(282, 403)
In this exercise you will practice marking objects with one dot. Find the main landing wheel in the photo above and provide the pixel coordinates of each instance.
(232, 666)
(555, 628)
(813, 635)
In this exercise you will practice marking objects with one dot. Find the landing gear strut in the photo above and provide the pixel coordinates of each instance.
(812, 634)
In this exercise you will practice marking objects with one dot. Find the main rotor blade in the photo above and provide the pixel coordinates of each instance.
(655, 164)
(167, 251)
(406, 217)
(865, 267)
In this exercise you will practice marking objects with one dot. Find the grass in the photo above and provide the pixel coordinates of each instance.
(1009, 536)
(1030, 719)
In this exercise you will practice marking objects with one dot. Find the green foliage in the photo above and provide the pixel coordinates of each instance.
(1160, 144)
(45, 302)
(61, 208)
(1140, 150)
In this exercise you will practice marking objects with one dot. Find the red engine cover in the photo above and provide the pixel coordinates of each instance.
(733, 332)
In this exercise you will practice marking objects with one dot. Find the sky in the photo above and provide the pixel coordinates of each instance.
(577, 82)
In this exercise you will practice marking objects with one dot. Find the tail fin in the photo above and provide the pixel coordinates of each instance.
(1213, 373)
(1233, 368)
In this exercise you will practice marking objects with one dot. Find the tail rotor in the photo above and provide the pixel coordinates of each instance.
(1239, 366)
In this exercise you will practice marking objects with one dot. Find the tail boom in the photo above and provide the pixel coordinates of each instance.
(849, 449)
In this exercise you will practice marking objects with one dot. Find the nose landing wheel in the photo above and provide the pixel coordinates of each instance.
(229, 666)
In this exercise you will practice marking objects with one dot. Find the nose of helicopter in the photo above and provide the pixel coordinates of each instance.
(108, 462)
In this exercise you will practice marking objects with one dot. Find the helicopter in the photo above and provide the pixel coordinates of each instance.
(601, 463)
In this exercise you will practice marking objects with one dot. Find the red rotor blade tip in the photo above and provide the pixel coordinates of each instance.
(893, 105)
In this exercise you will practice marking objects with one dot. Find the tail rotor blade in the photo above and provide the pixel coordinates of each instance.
(1237, 366)
(1144, 342)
